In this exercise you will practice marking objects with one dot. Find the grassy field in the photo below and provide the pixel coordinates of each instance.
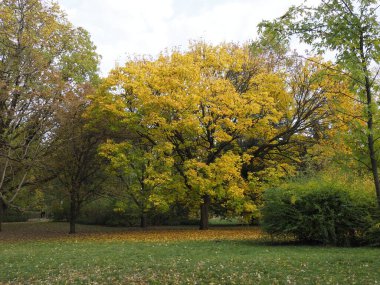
(43, 253)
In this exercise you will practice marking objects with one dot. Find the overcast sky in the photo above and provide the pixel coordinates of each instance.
(122, 28)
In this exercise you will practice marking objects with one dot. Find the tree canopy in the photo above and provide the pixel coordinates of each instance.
(221, 117)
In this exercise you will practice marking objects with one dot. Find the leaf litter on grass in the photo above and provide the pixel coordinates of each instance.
(58, 231)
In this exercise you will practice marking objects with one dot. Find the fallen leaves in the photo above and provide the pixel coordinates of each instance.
(58, 231)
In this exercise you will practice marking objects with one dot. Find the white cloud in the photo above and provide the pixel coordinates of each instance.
(122, 28)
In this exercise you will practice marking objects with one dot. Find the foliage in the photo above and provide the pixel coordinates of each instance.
(351, 29)
(105, 212)
(223, 123)
(188, 132)
(74, 163)
(125, 212)
(59, 210)
(373, 235)
(14, 215)
(143, 176)
(42, 58)
(318, 210)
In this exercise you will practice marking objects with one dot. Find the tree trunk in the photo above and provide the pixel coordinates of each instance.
(143, 222)
(204, 213)
(370, 139)
(73, 212)
(372, 154)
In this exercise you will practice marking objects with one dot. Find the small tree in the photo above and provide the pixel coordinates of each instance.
(145, 174)
(75, 161)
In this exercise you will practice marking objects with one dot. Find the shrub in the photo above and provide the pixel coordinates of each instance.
(319, 212)
(373, 235)
(60, 211)
(112, 212)
(102, 212)
(13, 215)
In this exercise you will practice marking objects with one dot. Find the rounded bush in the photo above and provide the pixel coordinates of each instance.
(323, 213)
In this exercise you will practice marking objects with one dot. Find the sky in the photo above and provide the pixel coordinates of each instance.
(126, 28)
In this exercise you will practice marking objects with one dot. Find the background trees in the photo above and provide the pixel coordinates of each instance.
(351, 30)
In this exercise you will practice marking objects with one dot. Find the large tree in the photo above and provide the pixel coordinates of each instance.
(228, 119)
(350, 29)
(42, 57)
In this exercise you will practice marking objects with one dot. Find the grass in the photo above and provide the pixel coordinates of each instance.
(173, 256)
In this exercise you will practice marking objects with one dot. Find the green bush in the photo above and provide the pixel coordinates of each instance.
(60, 211)
(318, 211)
(373, 235)
(13, 215)
(107, 212)
(101, 212)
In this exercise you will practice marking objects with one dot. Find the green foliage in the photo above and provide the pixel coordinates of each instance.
(373, 235)
(60, 210)
(104, 212)
(44, 61)
(110, 212)
(319, 210)
(12, 215)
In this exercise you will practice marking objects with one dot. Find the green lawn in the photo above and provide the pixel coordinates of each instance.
(76, 260)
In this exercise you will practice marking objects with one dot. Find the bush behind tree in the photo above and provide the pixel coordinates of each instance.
(12, 215)
(108, 212)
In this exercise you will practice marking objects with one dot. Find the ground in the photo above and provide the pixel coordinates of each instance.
(42, 253)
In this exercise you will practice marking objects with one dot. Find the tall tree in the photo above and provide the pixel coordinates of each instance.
(75, 162)
(41, 58)
(223, 113)
(351, 29)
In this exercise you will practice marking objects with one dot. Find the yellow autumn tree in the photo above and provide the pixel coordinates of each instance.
(145, 177)
(231, 123)
(320, 108)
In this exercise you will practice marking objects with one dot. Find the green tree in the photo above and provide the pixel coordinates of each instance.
(352, 31)
(42, 57)
(145, 174)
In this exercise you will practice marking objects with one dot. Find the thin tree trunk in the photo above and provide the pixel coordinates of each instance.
(370, 139)
(204, 212)
(73, 212)
(371, 143)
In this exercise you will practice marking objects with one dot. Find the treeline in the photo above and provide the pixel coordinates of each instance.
(186, 135)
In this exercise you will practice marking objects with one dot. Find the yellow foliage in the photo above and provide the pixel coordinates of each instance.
(198, 109)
